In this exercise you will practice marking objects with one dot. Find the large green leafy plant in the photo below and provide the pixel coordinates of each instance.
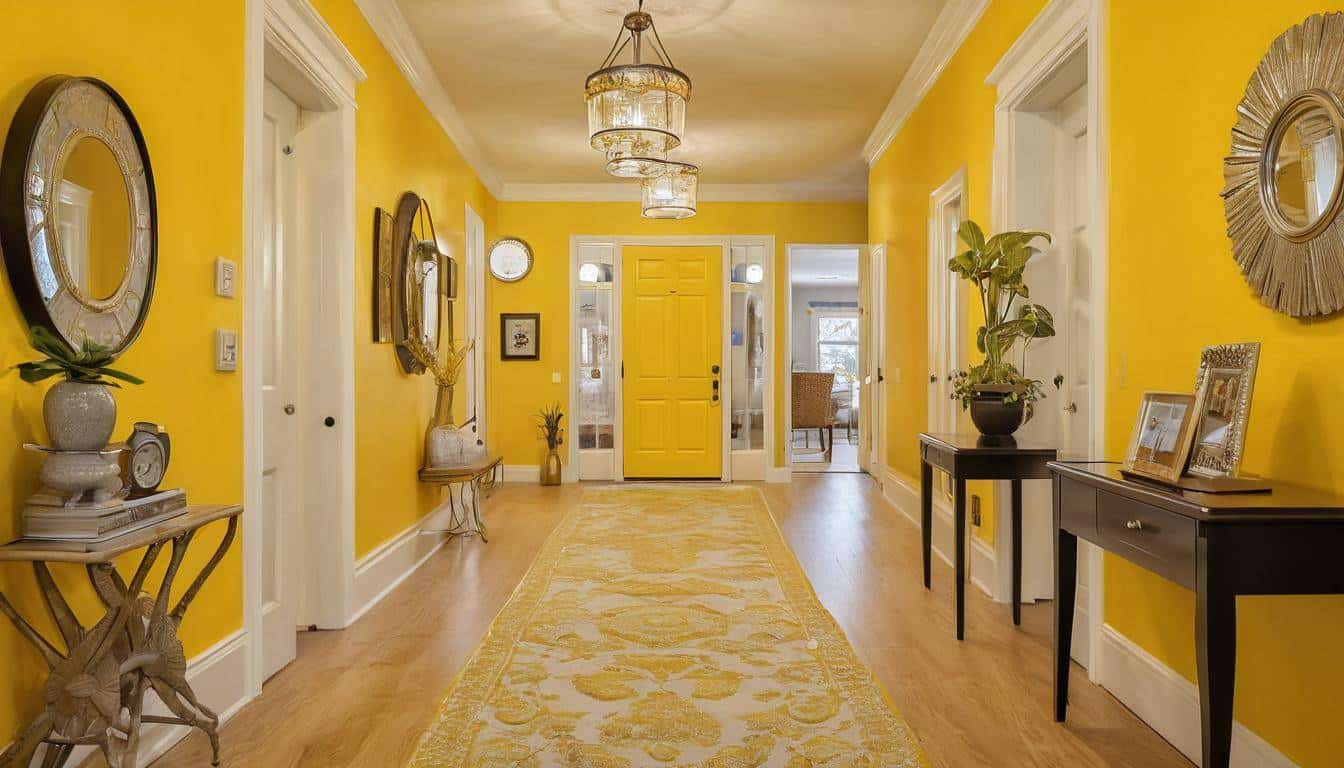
(90, 365)
(996, 266)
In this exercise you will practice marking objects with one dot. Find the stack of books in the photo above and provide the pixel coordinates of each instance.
(81, 522)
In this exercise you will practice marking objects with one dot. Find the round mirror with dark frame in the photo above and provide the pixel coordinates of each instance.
(78, 216)
(420, 284)
(1285, 175)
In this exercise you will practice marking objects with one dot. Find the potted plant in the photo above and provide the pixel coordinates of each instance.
(548, 422)
(998, 393)
(79, 411)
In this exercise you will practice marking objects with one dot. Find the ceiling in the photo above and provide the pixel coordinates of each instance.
(785, 92)
(837, 267)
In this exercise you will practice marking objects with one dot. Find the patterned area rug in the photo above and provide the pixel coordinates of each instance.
(666, 625)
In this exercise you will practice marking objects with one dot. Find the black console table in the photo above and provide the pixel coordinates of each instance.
(972, 457)
(1286, 542)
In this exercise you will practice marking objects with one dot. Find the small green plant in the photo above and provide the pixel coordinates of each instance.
(90, 365)
(996, 266)
(548, 423)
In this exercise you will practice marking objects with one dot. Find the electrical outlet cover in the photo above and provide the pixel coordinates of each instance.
(226, 349)
(226, 278)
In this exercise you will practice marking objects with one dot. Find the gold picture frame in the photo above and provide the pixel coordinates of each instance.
(1227, 373)
(1163, 432)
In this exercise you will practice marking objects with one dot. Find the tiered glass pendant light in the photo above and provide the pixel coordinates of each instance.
(672, 194)
(637, 111)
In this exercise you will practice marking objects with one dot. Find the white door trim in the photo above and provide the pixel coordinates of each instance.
(877, 339)
(618, 242)
(1059, 31)
(473, 268)
(314, 58)
(946, 297)
(786, 275)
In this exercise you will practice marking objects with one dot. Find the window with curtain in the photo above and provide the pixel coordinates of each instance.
(837, 336)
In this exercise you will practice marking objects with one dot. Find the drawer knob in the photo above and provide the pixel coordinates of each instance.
(1134, 525)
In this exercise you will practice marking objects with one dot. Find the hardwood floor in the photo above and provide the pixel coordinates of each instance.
(362, 696)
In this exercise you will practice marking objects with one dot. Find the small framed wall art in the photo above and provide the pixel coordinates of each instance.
(1160, 443)
(519, 336)
(1227, 374)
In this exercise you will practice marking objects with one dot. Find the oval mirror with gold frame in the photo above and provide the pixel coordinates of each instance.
(420, 274)
(1285, 175)
(78, 214)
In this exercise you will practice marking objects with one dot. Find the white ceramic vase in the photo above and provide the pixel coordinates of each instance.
(79, 416)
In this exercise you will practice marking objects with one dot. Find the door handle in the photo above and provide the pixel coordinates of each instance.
(714, 384)
(1071, 408)
(289, 409)
(933, 378)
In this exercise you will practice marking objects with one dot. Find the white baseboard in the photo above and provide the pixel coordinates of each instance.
(904, 495)
(778, 475)
(1169, 703)
(218, 676)
(522, 473)
(388, 565)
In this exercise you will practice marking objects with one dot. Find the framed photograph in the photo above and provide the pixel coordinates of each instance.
(519, 336)
(1227, 372)
(1162, 435)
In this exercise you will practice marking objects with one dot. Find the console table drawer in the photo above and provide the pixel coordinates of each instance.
(1161, 541)
(1078, 508)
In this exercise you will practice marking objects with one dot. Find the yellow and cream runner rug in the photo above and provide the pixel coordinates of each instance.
(671, 626)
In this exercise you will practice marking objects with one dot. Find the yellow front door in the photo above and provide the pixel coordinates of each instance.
(672, 321)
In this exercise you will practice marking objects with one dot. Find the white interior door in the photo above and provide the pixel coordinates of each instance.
(877, 340)
(946, 309)
(281, 513)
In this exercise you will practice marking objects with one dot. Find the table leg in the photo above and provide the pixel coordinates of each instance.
(476, 508)
(926, 515)
(1216, 656)
(1017, 552)
(1066, 575)
(960, 523)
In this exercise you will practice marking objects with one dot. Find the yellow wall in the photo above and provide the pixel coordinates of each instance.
(399, 146)
(952, 127)
(187, 98)
(518, 389)
(1174, 88)
(1175, 75)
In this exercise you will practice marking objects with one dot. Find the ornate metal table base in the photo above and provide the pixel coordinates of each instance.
(464, 517)
(94, 694)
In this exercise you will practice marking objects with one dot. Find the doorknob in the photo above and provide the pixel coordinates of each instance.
(1071, 408)
(289, 409)
(933, 378)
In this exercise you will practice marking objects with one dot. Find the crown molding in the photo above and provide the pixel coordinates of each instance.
(616, 192)
(945, 37)
(391, 27)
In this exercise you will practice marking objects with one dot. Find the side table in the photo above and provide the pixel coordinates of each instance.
(96, 687)
(464, 518)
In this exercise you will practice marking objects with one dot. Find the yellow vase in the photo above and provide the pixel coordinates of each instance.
(550, 471)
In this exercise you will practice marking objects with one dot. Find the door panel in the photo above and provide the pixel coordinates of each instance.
(673, 331)
(281, 510)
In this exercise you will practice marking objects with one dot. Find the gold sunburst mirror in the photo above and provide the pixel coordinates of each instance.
(1285, 174)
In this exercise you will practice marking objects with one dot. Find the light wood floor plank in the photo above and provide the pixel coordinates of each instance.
(362, 696)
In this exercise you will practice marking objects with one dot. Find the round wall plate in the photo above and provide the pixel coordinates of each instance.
(510, 259)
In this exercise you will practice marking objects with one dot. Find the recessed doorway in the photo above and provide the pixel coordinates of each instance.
(826, 358)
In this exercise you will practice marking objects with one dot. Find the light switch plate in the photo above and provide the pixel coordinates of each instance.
(226, 349)
(226, 278)
(555, 377)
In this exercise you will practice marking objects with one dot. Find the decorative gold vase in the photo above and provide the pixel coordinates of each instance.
(550, 471)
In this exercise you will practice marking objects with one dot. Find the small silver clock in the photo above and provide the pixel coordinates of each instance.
(147, 451)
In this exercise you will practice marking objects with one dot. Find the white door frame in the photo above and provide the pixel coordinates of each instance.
(473, 277)
(947, 299)
(786, 274)
(315, 69)
(876, 377)
(1059, 31)
(618, 242)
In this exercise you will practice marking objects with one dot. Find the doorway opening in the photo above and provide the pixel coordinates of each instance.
(826, 359)
(298, 334)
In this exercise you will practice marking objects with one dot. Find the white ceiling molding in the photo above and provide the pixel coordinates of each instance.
(737, 193)
(949, 31)
(391, 27)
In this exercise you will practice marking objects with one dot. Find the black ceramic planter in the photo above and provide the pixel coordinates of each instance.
(995, 418)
